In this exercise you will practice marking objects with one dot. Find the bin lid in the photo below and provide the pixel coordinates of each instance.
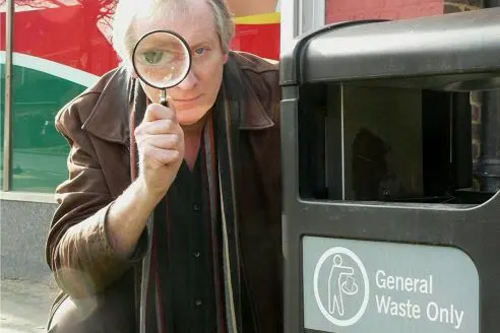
(451, 44)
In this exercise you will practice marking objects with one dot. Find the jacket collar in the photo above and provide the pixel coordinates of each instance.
(109, 119)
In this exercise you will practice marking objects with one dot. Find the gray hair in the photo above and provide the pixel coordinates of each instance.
(127, 11)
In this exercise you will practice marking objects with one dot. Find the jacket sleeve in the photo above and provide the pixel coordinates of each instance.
(78, 249)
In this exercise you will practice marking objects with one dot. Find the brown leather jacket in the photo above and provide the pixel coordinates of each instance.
(96, 125)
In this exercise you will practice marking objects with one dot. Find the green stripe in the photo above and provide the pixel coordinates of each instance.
(53, 68)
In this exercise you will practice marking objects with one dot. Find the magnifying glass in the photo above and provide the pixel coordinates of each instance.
(161, 59)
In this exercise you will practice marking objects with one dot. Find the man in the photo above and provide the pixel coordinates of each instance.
(210, 259)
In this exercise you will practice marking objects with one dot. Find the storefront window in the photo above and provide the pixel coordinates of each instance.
(39, 152)
(60, 48)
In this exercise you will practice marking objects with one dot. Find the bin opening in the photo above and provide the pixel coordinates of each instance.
(415, 140)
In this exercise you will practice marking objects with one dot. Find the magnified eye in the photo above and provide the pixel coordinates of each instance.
(157, 57)
(154, 57)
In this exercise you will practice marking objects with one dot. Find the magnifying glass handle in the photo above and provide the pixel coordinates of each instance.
(163, 98)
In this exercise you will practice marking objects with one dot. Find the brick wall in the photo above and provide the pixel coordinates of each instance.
(340, 10)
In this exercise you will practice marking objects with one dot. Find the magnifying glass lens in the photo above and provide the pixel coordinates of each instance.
(161, 59)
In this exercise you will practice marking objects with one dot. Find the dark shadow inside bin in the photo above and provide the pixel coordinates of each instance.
(414, 140)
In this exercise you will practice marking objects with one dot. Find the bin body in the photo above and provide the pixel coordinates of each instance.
(385, 228)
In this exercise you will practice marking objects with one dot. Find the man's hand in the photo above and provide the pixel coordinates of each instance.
(160, 142)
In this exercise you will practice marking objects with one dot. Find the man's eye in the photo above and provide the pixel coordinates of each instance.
(153, 57)
(200, 51)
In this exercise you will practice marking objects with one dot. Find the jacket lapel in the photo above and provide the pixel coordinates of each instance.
(239, 92)
(110, 116)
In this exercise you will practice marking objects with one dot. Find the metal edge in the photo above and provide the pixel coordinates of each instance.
(299, 44)
(7, 144)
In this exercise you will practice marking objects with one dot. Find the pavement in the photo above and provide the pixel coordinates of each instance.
(24, 305)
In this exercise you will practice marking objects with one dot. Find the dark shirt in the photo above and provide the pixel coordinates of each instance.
(193, 299)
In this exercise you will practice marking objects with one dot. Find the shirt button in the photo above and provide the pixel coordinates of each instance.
(196, 207)
(197, 254)
(198, 302)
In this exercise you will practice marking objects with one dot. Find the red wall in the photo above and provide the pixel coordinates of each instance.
(341, 10)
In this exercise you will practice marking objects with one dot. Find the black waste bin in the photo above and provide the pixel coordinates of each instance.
(391, 213)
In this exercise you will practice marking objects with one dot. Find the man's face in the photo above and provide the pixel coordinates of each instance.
(197, 93)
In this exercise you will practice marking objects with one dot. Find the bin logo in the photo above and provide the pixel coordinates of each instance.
(341, 286)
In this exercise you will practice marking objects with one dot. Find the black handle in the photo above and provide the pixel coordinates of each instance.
(163, 98)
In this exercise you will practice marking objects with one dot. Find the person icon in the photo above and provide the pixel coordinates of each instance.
(340, 283)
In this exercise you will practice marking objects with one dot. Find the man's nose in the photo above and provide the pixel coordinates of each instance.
(189, 81)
